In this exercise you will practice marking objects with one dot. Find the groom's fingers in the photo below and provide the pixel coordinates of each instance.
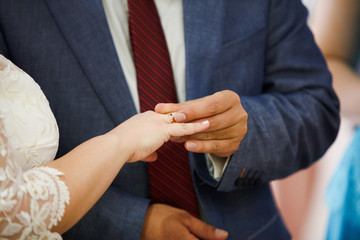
(202, 107)
(163, 222)
(204, 231)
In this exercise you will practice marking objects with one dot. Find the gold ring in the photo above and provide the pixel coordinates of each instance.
(171, 116)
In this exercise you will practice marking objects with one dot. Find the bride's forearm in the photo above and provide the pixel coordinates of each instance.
(90, 168)
(88, 171)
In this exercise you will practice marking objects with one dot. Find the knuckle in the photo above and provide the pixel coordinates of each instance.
(213, 105)
(225, 93)
(220, 94)
(231, 95)
(236, 98)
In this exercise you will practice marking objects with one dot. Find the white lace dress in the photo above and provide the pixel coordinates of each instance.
(32, 196)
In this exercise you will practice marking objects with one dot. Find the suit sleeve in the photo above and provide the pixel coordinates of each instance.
(295, 118)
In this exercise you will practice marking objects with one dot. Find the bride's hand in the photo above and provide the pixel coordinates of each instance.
(144, 133)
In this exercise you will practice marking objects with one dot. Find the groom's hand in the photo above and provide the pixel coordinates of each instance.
(227, 117)
(163, 222)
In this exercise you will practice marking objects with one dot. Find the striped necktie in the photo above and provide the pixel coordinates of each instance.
(169, 177)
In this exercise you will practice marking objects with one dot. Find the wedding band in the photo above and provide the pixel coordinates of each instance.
(171, 117)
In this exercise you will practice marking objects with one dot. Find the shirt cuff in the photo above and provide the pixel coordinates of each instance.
(216, 165)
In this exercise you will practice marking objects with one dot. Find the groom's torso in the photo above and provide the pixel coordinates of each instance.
(66, 46)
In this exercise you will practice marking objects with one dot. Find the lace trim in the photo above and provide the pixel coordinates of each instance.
(31, 202)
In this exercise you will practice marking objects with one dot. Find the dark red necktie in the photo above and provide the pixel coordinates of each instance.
(169, 177)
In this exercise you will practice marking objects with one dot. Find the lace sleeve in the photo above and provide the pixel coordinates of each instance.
(31, 202)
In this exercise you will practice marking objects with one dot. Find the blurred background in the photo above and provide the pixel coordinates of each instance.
(301, 196)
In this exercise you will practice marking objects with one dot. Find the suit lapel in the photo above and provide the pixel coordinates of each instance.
(203, 25)
(84, 25)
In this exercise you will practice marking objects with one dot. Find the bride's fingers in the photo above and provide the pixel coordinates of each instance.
(174, 117)
(182, 129)
(176, 129)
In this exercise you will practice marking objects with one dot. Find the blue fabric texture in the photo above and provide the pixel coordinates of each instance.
(343, 195)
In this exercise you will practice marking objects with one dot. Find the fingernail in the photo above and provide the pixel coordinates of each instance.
(220, 233)
(205, 122)
(191, 145)
(180, 117)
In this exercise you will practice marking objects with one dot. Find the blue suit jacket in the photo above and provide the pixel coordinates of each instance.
(261, 49)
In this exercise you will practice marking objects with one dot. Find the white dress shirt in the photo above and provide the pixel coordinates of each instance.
(171, 17)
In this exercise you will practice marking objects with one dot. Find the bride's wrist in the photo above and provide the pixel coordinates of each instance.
(119, 145)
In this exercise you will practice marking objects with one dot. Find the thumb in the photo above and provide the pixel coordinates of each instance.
(205, 231)
(167, 107)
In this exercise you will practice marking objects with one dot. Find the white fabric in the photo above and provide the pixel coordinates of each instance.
(28, 139)
(171, 17)
(29, 123)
